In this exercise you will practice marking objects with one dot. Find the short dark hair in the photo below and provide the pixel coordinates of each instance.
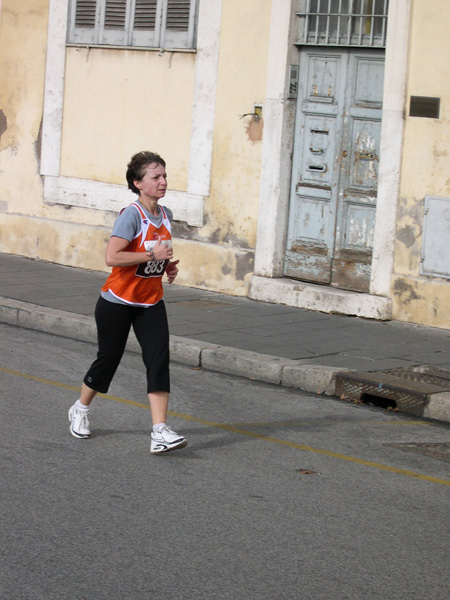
(137, 165)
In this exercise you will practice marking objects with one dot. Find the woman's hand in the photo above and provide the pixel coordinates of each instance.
(161, 251)
(172, 270)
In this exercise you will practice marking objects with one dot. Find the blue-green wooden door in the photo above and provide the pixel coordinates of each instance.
(335, 167)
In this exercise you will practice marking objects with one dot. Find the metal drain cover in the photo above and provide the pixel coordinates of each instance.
(409, 390)
(440, 450)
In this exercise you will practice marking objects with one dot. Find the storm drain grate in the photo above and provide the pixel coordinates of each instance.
(407, 390)
(439, 450)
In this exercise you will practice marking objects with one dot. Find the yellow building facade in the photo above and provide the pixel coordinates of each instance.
(231, 116)
(421, 294)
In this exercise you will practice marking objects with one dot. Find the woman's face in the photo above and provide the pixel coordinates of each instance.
(154, 183)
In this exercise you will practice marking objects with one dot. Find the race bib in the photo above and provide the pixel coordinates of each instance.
(153, 268)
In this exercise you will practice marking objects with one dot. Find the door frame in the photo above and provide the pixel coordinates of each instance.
(279, 118)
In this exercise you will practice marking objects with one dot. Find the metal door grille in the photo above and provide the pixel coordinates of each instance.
(359, 23)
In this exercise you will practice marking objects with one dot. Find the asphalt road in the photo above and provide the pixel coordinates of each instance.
(279, 494)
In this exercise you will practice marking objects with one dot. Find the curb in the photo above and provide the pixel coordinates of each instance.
(194, 353)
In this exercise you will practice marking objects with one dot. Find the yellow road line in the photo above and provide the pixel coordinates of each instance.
(240, 431)
(329, 420)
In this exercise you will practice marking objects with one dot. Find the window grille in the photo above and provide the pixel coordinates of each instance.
(144, 23)
(360, 23)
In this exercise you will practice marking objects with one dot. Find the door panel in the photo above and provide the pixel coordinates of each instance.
(335, 172)
(358, 176)
(309, 251)
(369, 79)
(318, 149)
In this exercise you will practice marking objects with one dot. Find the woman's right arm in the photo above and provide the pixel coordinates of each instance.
(117, 256)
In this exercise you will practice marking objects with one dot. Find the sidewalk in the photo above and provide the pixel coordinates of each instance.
(321, 353)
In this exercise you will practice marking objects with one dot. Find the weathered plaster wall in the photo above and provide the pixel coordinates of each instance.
(425, 169)
(232, 209)
(222, 257)
(118, 102)
(21, 94)
(28, 226)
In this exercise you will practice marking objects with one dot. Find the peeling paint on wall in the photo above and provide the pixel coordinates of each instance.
(411, 301)
(439, 152)
(244, 265)
(411, 208)
(38, 143)
(406, 236)
(3, 123)
(406, 290)
(215, 236)
(226, 269)
(255, 130)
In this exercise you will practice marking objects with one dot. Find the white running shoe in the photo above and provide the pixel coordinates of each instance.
(79, 423)
(165, 439)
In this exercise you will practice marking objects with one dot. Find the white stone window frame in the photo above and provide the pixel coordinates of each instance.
(187, 206)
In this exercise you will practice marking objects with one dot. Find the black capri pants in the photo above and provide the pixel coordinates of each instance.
(113, 327)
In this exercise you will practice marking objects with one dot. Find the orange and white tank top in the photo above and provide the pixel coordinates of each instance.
(141, 285)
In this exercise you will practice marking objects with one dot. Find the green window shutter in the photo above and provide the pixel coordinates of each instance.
(178, 15)
(83, 21)
(146, 23)
(85, 13)
(145, 14)
(115, 14)
(179, 25)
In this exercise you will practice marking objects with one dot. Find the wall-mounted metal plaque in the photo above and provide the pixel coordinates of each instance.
(424, 106)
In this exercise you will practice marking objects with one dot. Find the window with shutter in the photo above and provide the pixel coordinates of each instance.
(166, 24)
